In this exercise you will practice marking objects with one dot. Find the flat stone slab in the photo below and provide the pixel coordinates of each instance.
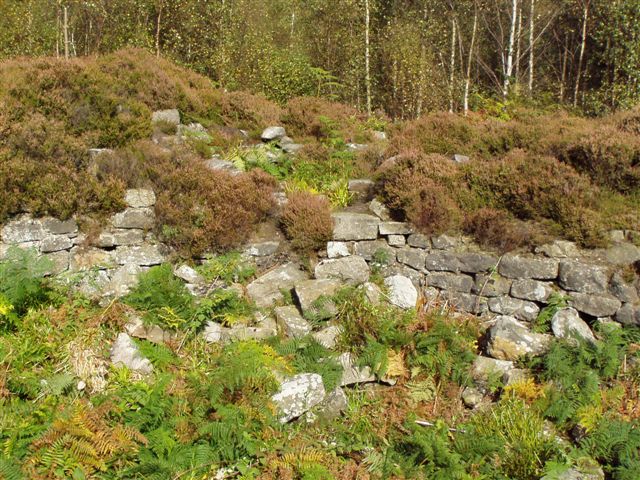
(395, 228)
(266, 290)
(355, 226)
(337, 249)
(374, 250)
(117, 237)
(491, 285)
(414, 257)
(143, 255)
(140, 197)
(291, 322)
(521, 309)
(515, 266)
(141, 218)
(595, 305)
(353, 374)
(509, 339)
(308, 293)
(583, 277)
(352, 270)
(450, 281)
(533, 290)
(84, 259)
(298, 395)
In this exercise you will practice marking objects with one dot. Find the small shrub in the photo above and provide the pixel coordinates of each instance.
(494, 228)
(320, 118)
(230, 267)
(307, 221)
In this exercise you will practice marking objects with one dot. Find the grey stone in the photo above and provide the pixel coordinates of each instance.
(534, 290)
(125, 352)
(266, 290)
(291, 322)
(332, 406)
(352, 270)
(591, 471)
(622, 254)
(471, 397)
(414, 257)
(94, 284)
(380, 210)
(629, 314)
(374, 249)
(458, 158)
(517, 375)
(361, 186)
(328, 336)
(117, 237)
(467, 302)
(23, 229)
(379, 135)
(566, 323)
(123, 280)
(262, 249)
(617, 236)
(171, 116)
(60, 227)
(298, 395)
(450, 281)
(485, 368)
(55, 243)
(444, 242)
(142, 218)
(219, 165)
(559, 249)
(372, 293)
(515, 266)
(270, 134)
(337, 249)
(248, 332)
(355, 226)
(404, 270)
(214, 332)
(521, 309)
(309, 291)
(395, 228)
(137, 329)
(583, 277)
(491, 285)
(419, 240)
(140, 198)
(401, 292)
(291, 148)
(84, 259)
(188, 274)
(509, 339)
(595, 305)
(397, 240)
(356, 146)
(622, 290)
(353, 374)
(59, 262)
(442, 262)
(472, 262)
(143, 255)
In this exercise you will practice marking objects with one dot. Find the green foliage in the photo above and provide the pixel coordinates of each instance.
(164, 299)
(555, 302)
(22, 283)
(230, 267)
(223, 306)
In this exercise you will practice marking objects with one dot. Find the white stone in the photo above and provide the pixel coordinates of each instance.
(337, 249)
(273, 133)
(125, 352)
(566, 323)
(298, 395)
(188, 274)
(402, 293)
(140, 197)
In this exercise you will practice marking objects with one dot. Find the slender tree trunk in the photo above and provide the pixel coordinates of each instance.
(583, 44)
(563, 78)
(516, 80)
(452, 62)
(512, 34)
(66, 33)
(367, 55)
(158, 24)
(58, 22)
(467, 81)
(531, 42)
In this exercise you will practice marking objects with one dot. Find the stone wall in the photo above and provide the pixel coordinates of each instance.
(105, 264)
(455, 270)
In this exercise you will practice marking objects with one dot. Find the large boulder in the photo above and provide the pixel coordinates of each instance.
(629, 314)
(125, 352)
(355, 226)
(566, 323)
(402, 293)
(583, 278)
(267, 289)
(414, 257)
(508, 339)
(298, 395)
(352, 270)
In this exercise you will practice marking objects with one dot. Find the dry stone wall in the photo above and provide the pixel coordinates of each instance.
(106, 264)
(455, 270)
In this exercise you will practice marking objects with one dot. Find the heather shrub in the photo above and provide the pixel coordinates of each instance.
(418, 187)
(306, 220)
(494, 228)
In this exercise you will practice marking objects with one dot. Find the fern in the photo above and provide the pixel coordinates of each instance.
(9, 470)
(556, 301)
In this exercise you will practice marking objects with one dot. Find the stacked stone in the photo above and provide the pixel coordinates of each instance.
(106, 266)
(479, 282)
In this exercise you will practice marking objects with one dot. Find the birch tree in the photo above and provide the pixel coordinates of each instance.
(508, 65)
(586, 4)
